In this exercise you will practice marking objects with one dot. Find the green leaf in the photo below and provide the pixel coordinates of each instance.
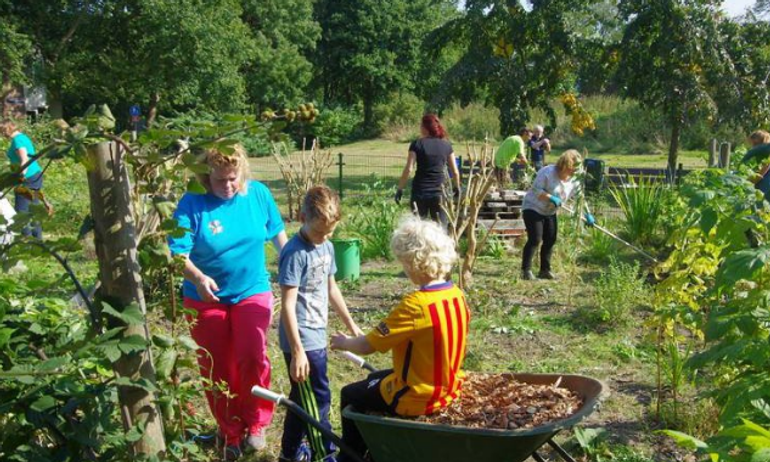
(134, 435)
(131, 315)
(53, 363)
(165, 363)
(5, 335)
(140, 383)
(162, 340)
(188, 342)
(194, 186)
(708, 220)
(132, 343)
(684, 440)
(43, 403)
(742, 265)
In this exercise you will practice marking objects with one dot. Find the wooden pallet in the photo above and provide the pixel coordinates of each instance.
(507, 229)
(505, 205)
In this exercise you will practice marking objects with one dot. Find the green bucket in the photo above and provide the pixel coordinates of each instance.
(347, 256)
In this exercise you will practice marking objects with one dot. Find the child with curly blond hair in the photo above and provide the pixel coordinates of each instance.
(426, 334)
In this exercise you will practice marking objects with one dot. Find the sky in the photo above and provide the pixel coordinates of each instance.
(736, 7)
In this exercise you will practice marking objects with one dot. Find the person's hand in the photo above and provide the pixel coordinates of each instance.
(338, 341)
(299, 368)
(205, 286)
(555, 200)
(398, 196)
(590, 220)
(755, 178)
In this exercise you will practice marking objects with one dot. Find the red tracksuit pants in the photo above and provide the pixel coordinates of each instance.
(233, 356)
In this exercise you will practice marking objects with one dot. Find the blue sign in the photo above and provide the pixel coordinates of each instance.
(135, 110)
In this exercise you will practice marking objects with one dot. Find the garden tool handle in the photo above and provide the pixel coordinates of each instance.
(358, 361)
(281, 400)
(267, 395)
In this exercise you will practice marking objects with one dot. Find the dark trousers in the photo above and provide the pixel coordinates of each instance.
(363, 396)
(540, 229)
(428, 207)
(315, 398)
(22, 203)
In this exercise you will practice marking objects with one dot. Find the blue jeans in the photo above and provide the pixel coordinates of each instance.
(22, 203)
(314, 396)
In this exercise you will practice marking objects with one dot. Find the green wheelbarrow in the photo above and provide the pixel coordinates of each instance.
(392, 439)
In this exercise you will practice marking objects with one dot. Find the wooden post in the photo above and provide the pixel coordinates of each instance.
(724, 155)
(121, 286)
(713, 153)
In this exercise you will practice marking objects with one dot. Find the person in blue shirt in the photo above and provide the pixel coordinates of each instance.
(306, 275)
(227, 284)
(20, 153)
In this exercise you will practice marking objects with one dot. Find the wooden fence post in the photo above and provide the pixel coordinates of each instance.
(713, 153)
(121, 286)
(724, 155)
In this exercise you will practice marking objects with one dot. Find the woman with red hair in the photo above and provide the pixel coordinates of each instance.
(432, 154)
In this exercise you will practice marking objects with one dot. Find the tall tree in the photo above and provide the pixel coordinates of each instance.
(278, 72)
(175, 54)
(514, 57)
(670, 48)
(15, 58)
(743, 95)
(370, 48)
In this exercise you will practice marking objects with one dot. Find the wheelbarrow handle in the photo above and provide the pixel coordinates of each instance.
(297, 410)
(358, 361)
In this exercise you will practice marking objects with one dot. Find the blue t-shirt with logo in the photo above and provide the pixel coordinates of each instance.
(307, 267)
(22, 141)
(227, 239)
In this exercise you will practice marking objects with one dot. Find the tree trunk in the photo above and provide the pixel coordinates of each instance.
(121, 286)
(153, 109)
(673, 149)
(368, 114)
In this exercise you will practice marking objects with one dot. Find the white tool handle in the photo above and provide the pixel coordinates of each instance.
(266, 394)
(354, 358)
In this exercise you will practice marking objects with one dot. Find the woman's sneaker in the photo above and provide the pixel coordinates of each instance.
(255, 441)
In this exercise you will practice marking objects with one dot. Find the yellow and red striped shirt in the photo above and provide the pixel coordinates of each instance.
(427, 332)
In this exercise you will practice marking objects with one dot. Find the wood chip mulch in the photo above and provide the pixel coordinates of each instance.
(497, 401)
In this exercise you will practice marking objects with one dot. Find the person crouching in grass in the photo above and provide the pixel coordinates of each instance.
(306, 276)
(426, 333)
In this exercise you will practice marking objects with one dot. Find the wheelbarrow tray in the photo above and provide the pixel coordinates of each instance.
(401, 440)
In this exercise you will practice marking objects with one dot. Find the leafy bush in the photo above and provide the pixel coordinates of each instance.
(472, 122)
(398, 119)
(618, 290)
(335, 126)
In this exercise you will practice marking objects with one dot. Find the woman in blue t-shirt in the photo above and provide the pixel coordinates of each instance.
(227, 283)
(20, 153)
(432, 154)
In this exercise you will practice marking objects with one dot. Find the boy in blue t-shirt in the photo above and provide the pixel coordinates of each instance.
(306, 276)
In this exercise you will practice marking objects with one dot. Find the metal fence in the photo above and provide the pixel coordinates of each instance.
(351, 175)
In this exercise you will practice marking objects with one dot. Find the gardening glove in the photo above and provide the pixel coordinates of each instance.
(397, 197)
(456, 193)
(555, 200)
(590, 220)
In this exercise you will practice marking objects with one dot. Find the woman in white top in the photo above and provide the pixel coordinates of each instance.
(553, 185)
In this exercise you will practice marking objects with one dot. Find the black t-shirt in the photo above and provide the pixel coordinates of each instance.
(432, 159)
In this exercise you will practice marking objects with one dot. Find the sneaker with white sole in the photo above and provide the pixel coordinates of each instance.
(255, 441)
